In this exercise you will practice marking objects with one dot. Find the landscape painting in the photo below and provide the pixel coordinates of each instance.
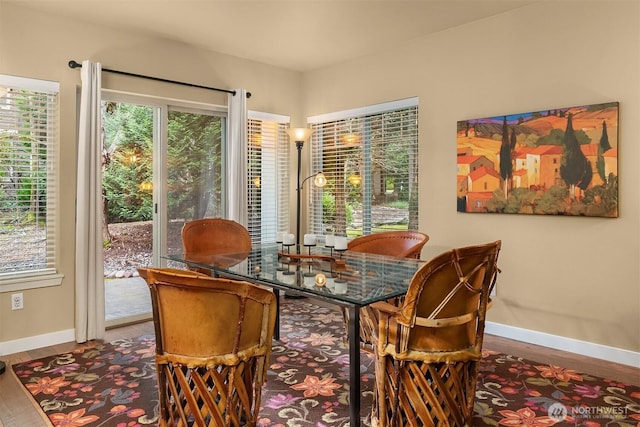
(562, 161)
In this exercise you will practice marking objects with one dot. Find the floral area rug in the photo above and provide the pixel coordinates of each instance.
(114, 384)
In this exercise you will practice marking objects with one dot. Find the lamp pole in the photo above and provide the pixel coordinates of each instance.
(299, 145)
(299, 136)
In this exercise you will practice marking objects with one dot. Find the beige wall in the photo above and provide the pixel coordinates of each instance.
(571, 277)
(42, 50)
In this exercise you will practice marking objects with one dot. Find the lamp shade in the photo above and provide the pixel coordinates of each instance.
(350, 138)
(320, 180)
(146, 186)
(355, 179)
(299, 134)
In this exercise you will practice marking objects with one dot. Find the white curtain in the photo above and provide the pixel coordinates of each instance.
(90, 311)
(237, 158)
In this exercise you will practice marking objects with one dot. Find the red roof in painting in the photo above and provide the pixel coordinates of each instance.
(522, 152)
(467, 159)
(480, 172)
(547, 149)
(589, 149)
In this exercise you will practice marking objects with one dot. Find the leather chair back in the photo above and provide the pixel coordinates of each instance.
(213, 342)
(427, 350)
(402, 244)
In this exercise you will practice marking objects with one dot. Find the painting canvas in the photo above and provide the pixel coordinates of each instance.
(562, 161)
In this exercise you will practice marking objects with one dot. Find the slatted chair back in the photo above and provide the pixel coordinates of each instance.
(213, 342)
(401, 244)
(427, 350)
(213, 236)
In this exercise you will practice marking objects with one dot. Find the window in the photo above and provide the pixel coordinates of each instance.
(28, 138)
(268, 180)
(370, 158)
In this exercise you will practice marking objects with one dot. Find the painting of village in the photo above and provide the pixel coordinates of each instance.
(562, 161)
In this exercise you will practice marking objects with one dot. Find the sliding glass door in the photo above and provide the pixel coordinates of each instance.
(162, 166)
(193, 170)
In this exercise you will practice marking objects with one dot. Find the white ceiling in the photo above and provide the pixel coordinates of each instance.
(299, 35)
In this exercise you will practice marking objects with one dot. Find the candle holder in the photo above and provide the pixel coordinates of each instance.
(339, 279)
(309, 273)
(329, 244)
(340, 287)
(288, 271)
(279, 241)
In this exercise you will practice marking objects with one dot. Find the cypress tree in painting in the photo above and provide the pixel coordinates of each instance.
(602, 147)
(506, 168)
(575, 169)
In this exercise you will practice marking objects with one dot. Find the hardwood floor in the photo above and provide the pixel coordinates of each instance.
(17, 410)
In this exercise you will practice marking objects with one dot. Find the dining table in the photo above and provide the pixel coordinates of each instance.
(340, 277)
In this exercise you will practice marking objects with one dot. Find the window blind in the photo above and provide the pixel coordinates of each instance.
(268, 169)
(369, 157)
(28, 138)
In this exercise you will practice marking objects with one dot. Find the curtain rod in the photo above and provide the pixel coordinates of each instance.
(74, 64)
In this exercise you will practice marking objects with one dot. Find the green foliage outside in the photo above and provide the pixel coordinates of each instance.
(387, 159)
(23, 167)
(193, 166)
(329, 208)
(127, 162)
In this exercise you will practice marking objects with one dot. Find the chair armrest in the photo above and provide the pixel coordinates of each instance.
(385, 307)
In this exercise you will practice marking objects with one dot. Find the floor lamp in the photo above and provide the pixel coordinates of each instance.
(299, 136)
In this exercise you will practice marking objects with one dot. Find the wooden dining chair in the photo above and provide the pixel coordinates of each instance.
(427, 351)
(212, 236)
(401, 244)
(213, 341)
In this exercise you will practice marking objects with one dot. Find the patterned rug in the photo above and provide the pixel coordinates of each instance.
(114, 384)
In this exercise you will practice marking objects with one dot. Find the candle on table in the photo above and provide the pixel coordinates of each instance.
(328, 240)
(340, 243)
(321, 280)
(309, 239)
(340, 287)
(289, 239)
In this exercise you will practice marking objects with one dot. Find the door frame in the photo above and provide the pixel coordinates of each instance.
(160, 110)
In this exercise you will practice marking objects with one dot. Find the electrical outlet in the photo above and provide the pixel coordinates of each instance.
(16, 302)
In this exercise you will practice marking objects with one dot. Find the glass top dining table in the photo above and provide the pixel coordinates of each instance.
(345, 278)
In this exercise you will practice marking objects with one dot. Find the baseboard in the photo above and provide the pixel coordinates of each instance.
(598, 351)
(37, 341)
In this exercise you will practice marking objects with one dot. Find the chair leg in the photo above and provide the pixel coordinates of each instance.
(414, 393)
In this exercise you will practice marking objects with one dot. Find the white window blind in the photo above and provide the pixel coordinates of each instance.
(369, 157)
(268, 171)
(28, 138)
